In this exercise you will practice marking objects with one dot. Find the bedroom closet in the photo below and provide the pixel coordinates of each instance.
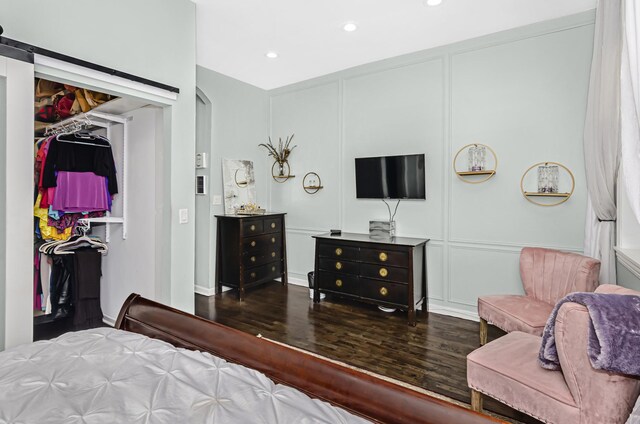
(125, 225)
(96, 166)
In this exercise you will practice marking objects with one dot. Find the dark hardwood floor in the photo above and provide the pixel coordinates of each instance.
(431, 355)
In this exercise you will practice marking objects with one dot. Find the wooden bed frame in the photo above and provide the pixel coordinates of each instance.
(359, 393)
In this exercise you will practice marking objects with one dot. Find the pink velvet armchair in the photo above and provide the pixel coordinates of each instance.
(547, 276)
(507, 369)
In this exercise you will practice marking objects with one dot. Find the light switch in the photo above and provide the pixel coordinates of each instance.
(217, 200)
(201, 160)
(183, 215)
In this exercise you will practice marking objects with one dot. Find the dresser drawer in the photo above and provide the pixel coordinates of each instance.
(339, 283)
(252, 227)
(383, 272)
(384, 291)
(337, 251)
(266, 271)
(385, 257)
(341, 266)
(272, 225)
(260, 243)
(252, 259)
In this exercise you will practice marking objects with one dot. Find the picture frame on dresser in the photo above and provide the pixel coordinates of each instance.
(388, 272)
(251, 250)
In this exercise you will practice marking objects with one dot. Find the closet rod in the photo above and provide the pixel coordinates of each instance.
(30, 48)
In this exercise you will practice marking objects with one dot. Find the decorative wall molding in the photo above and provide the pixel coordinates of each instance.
(630, 261)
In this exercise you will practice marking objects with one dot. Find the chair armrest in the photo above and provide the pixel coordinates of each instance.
(601, 396)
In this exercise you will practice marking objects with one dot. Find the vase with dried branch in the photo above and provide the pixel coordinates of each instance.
(280, 153)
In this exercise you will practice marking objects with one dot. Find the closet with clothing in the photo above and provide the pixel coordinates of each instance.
(80, 209)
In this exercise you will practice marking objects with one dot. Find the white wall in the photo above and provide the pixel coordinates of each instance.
(237, 124)
(523, 92)
(152, 39)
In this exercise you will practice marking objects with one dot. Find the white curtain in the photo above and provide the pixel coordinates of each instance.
(630, 105)
(602, 137)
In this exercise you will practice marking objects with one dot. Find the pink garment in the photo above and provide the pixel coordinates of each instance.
(80, 192)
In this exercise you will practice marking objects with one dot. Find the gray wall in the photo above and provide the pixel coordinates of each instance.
(626, 278)
(153, 39)
(238, 123)
(3, 216)
(523, 92)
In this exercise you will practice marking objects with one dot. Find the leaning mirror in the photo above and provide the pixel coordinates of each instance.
(239, 184)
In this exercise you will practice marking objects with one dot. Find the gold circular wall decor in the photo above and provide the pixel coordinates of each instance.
(281, 178)
(240, 184)
(311, 183)
(467, 175)
(532, 195)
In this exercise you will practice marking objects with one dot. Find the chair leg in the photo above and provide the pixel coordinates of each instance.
(483, 332)
(476, 401)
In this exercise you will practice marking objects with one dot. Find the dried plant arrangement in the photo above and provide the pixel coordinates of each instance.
(282, 152)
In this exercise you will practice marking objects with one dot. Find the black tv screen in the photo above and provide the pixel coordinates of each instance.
(390, 177)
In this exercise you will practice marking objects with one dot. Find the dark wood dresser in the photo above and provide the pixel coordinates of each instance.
(251, 250)
(388, 272)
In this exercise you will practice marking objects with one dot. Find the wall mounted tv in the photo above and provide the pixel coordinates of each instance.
(391, 177)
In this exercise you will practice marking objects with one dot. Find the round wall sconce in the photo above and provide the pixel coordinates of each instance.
(480, 166)
(311, 183)
(281, 172)
(549, 180)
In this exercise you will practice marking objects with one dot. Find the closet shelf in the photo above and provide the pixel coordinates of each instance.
(104, 220)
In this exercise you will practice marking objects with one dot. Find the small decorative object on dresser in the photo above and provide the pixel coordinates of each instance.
(391, 273)
(250, 250)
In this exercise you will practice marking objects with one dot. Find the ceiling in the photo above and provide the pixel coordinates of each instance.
(233, 36)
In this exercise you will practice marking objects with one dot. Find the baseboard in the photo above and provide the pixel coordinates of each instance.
(454, 312)
(436, 309)
(108, 320)
(205, 291)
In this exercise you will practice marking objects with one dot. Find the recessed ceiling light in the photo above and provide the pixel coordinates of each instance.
(432, 2)
(350, 26)
(271, 55)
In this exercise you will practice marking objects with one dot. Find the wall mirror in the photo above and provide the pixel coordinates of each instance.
(239, 184)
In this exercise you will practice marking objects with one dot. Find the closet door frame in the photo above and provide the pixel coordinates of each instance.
(16, 198)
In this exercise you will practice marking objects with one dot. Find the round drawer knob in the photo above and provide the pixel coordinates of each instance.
(338, 265)
(273, 254)
(383, 272)
(253, 243)
(253, 259)
(253, 275)
(273, 225)
(383, 256)
(338, 251)
(273, 239)
(273, 268)
(384, 291)
(339, 283)
(252, 228)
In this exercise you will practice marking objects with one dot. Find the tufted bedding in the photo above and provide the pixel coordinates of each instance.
(111, 376)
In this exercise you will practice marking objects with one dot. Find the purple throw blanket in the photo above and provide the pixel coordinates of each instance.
(614, 333)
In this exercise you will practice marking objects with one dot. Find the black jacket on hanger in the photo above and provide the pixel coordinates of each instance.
(80, 154)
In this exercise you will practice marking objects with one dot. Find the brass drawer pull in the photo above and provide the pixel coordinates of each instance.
(383, 272)
(273, 225)
(384, 291)
(253, 275)
(252, 228)
(339, 283)
(273, 239)
(253, 259)
(383, 256)
(273, 268)
(253, 243)
(338, 265)
(338, 251)
(273, 254)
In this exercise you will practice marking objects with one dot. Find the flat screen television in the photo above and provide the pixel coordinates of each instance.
(391, 177)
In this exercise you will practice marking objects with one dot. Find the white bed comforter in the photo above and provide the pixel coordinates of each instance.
(110, 376)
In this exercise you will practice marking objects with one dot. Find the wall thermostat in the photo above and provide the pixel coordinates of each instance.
(201, 160)
(201, 184)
